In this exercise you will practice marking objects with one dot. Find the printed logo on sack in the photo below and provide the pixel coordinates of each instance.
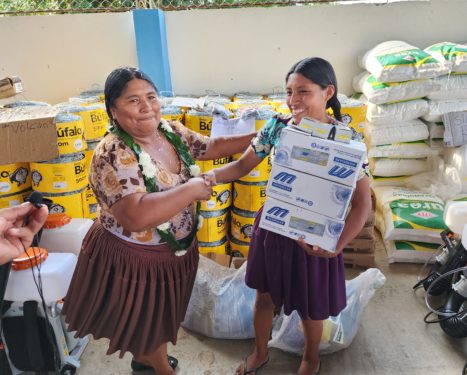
(276, 213)
(340, 172)
(283, 178)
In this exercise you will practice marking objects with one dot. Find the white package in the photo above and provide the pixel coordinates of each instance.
(386, 167)
(309, 192)
(409, 131)
(396, 112)
(335, 161)
(402, 150)
(398, 61)
(451, 87)
(382, 93)
(294, 222)
(437, 108)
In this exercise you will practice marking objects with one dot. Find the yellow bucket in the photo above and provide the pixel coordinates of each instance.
(239, 248)
(70, 203)
(284, 109)
(199, 123)
(215, 226)
(90, 206)
(218, 247)
(241, 224)
(353, 116)
(207, 165)
(249, 196)
(179, 117)
(70, 134)
(95, 119)
(15, 199)
(14, 178)
(62, 175)
(260, 173)
(221, 198)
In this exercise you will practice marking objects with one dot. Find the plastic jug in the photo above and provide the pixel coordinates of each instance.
(56, 271)
(62, 234)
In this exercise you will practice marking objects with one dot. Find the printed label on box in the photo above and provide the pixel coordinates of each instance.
(310, 192)
(292, 221)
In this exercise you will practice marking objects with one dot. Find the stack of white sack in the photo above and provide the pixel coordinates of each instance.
(339, 331)
(447, 129)
(410, 222)
(221, 306)
(398, 77)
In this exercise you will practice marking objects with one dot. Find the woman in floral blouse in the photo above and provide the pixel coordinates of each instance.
(138, 264)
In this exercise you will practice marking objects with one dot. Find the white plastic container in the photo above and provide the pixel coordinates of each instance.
(63, 234)
(56, 272)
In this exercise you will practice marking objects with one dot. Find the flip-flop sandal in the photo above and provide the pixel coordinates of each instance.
(138, 366)
(253, 370)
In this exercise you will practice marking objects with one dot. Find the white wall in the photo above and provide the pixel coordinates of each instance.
(252, 49)
(226, 50)
(59, 56)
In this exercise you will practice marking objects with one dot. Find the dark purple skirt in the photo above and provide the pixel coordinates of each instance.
(134, 295)
(277, 265)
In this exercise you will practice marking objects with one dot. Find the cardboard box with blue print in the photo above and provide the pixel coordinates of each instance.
(292, 221)
(309, 192)
(334, 161)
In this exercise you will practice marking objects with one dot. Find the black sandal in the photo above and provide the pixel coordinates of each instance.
(138, 366)
(252, 370)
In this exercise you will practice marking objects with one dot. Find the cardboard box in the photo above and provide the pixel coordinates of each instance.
(222, 259)
(325, 131)
(310, 192)
(339, 162)
(361, 245)
(10, 86)
(28, 134)
(353, 259)
(292, 221)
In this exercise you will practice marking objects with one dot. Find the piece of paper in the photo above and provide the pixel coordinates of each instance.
(232, 126)
(455, 129)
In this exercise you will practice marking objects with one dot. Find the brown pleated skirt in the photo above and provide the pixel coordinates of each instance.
(134, 295)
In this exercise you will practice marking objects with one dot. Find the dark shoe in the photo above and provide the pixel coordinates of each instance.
(138, 366)
(245, 370)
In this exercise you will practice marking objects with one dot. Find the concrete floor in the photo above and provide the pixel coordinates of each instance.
(392, 339)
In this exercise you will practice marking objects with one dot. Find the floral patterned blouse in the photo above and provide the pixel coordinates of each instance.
(115, 173)
(268, 138)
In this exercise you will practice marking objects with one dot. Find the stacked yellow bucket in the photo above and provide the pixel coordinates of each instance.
(249, 192)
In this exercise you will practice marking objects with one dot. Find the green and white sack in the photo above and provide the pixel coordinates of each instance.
(437, 108)
(386, 167)
(402, 150)
(409, 131)
(410, 251)
(451, 87)
(396, 112)
(452, 55)
(389, 92)
(408, 215)
(398, 61)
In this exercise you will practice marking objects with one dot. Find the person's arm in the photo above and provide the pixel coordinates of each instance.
(234, 170)
(14, 237)
(359, 211)
(141, 211)
(227, 146)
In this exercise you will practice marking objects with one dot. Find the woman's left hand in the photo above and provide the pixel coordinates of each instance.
(315, 250)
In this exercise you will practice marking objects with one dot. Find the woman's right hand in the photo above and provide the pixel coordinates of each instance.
(202, 189)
